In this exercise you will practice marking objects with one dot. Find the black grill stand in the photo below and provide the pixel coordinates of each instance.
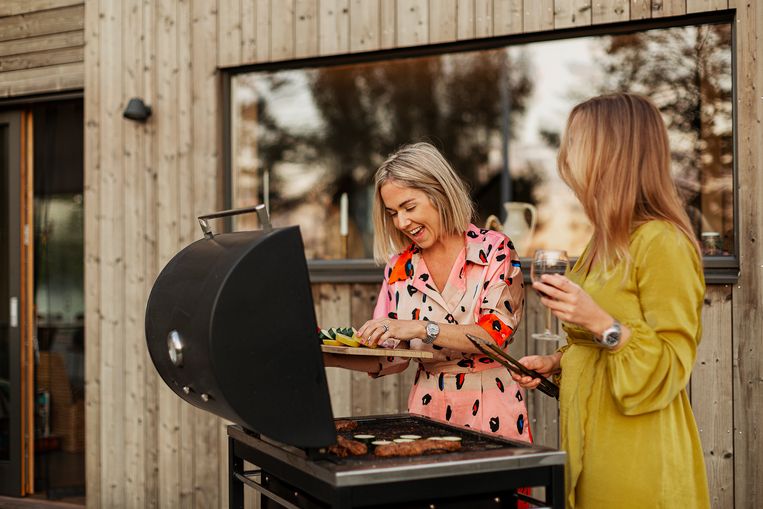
(284, 484)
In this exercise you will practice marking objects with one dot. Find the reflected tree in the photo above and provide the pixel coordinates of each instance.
(453, 101)
(687, 73)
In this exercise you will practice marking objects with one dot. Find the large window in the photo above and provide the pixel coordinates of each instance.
(303, 138)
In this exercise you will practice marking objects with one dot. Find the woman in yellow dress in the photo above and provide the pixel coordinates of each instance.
(631, 307)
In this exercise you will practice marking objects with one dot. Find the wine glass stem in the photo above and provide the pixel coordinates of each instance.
(548, 321)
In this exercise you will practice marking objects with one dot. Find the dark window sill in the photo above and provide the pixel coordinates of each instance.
(345, 271)
(719, 270)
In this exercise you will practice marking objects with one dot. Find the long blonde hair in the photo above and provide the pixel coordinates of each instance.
(419, 166)
(615, 157)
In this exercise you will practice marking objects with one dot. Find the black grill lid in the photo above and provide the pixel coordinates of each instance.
(230, 327)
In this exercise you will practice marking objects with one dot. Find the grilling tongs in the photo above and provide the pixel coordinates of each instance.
(546, 386)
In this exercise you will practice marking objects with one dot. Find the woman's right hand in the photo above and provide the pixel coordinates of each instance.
(546, 365)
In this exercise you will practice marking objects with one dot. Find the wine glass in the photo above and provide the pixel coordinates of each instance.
(548, 261)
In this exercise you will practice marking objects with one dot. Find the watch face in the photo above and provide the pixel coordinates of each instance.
(611, 339)
(611, 336)
(432, 329)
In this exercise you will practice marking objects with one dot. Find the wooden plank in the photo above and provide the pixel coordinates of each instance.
(206, 100)
(365, 25)
(306, 42)
(135, 284)
(151, 263)
(15, 7)
(376, 352)
(518, 345)
(412, 22)
(712, 383)
(263, 30)
(42, 79)
(184, 129)
(641, 9)
(483, 18)
(388, 21)
(229, 34)
(111, 252)
(543, 411)
(508, 17)
(611, 11)
(706, 5)
(747, 321)
(42, 59)
(661, 8)
(364, 388)
(248, 30)
(465, 19)
(40, 43)
(442, 21)
(92, 262)
(572, 13)
(404, 383)
(333, 310)
(222, 446)
(538, 15)
(34, 24)
(282, 29)
(334, 27)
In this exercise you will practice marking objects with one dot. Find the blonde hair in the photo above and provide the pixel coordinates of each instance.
(419, 166)
(615, 157)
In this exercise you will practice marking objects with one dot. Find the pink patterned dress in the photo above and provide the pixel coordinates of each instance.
(484, 287)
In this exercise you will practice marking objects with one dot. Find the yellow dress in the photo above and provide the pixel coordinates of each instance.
(625, 417)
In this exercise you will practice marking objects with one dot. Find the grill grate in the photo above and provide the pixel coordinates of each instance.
(389, 428)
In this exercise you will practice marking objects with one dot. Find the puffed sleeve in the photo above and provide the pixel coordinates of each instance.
(655, 364)
(502, 297)
(386, 307)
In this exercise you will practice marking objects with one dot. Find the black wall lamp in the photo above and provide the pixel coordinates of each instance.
(137, 110)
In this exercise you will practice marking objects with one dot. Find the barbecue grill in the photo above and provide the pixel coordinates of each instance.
(231, 329)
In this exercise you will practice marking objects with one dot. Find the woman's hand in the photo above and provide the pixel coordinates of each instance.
(546, 365)
(379, 330)
(570, 303)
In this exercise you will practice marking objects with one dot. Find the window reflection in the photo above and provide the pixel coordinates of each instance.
(302, 138)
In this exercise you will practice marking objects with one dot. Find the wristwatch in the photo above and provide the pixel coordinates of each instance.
(610, 338)
(432, 331)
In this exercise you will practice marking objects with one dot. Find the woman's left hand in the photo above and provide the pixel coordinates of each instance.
(378, 330)
(570, 303)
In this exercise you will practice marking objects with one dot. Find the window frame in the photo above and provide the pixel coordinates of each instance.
(717, 269)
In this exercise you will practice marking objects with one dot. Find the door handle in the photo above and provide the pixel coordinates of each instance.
(14, 312)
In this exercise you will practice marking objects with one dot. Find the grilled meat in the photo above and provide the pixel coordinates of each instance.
(416, 448)
(345, 425)
(346, 447)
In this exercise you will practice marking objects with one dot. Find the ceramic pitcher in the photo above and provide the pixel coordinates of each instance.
(519, 225)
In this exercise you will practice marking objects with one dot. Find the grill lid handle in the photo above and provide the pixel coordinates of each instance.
(262, 214)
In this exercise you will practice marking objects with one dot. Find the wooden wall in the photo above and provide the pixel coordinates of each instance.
(41, 46)
(146, 182)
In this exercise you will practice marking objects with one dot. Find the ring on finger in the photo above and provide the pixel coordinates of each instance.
(385, 327)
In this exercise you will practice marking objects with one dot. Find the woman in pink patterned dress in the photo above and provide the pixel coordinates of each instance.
(449, 278)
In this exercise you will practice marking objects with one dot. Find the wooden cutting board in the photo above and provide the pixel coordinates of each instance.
(376, 352)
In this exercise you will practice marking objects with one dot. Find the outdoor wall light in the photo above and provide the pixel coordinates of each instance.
(137, 110)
